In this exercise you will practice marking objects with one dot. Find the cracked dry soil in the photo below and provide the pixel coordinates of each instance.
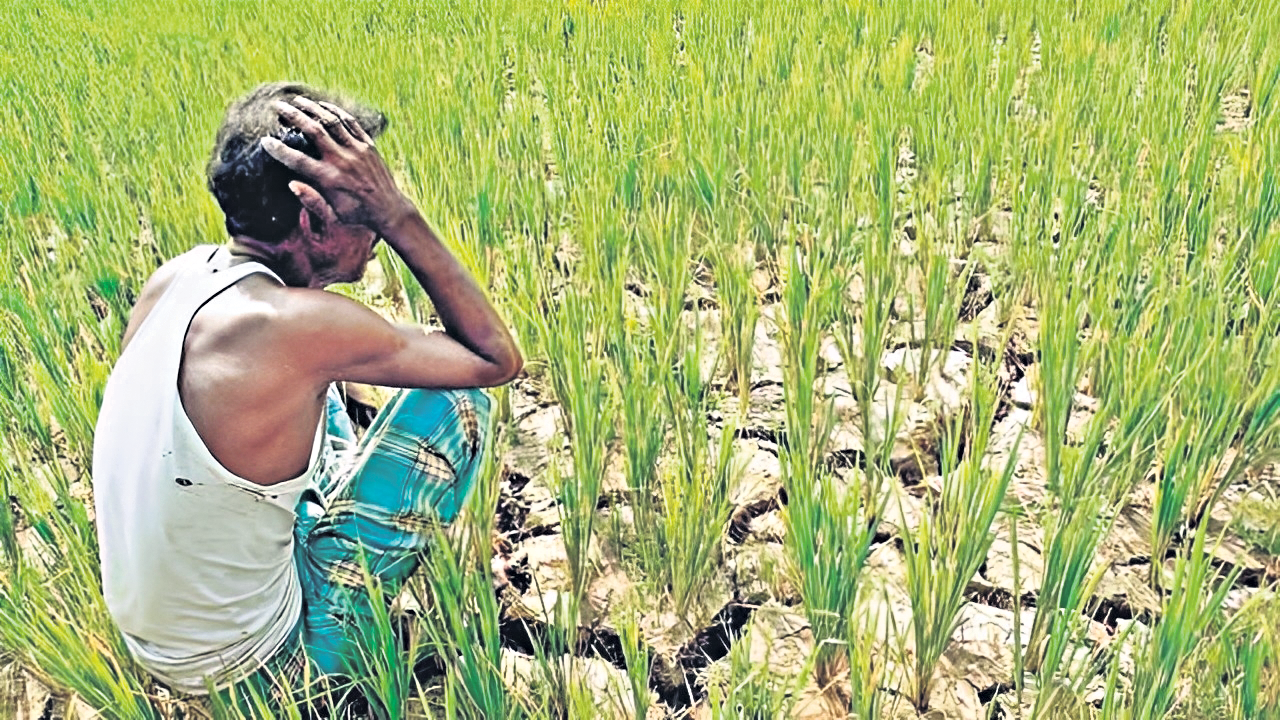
(753, 600)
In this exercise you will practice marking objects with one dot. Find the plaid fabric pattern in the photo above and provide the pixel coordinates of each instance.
(375, 510)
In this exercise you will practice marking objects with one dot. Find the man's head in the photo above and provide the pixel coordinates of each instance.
(251, 187)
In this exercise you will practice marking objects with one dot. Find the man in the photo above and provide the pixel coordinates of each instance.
(233, 538)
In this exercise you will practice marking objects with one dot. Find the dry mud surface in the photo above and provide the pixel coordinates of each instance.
(752, 599)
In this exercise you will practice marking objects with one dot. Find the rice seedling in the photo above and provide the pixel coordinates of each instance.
(862, 334)
(462, 630)
(1013, 514)
(581, 383)
(1081, 515)
(681, 505)
(1193, 605)
(645, 415)
(460, 627)
(1202, 429)
(60, 625)
(944, 282)
(740, 313)
(951, 541)
(1234, 671)
(639, 662)
(751, 690)
(695, 502)
(382, 669)
(871, 636)
(830, 530)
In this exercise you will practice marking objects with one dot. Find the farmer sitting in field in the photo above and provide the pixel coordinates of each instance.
(234, 541)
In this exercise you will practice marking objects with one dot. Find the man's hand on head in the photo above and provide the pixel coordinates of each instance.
(350, 176)
(346, 341)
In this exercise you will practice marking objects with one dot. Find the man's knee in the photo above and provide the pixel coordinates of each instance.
(463, 413)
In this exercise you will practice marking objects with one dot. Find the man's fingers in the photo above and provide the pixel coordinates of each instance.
(351, 123)
(330, 121)
(312, 200)
(295, 160)
(305, 123)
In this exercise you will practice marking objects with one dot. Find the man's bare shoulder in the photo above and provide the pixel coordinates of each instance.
(260, 312)
(249, 306)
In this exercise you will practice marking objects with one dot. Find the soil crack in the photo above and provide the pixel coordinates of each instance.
(676, 681)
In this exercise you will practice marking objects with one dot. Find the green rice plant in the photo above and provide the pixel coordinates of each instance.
(579, 377)
(682, 543)
(1082, 508)
(696, 504)
(383, 669)
(664, 250)
(1061, 307)
(752, 690)
(1220, 426)
(951, 540)
(1130, 423)
(1247, 662)
(645, 415)
(808, 298)
(862, 331)
(1193, 605)
(636, 655)
(461, 628)
(1232, 671)
(1257, 439)
(1072, 533)
(603, 134)
(70, 646)
(1195, 449)
(1258, 661)
(557, 688)
(944, 289)
(52, 613)
(681, 507)
(1068, 582)
(829, 528)
(739, 315)
(871, 634)
(829, 538)
(639, 362)
(1013, 513)
(253, 704)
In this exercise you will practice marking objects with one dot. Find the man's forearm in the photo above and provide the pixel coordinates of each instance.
(464, 309)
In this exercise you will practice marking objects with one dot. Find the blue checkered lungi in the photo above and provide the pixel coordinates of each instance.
(375, 513)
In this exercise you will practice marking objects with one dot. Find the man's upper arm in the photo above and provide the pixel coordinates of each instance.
(337, 339)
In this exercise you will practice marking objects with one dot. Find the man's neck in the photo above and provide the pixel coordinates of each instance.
(293, 268)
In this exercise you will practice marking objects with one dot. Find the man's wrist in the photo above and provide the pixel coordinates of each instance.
(390, 225)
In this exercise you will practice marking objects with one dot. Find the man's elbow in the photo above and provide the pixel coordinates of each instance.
(503, 370)
(512, 366)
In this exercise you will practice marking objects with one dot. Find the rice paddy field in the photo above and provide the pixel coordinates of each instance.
(883, 360)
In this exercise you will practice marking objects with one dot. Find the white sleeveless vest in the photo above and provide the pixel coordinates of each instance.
(197, 562)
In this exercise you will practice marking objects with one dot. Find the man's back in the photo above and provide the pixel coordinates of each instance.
(197, 561)
(239, 383)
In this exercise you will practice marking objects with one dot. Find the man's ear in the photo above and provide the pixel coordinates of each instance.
(315, 214)
(310, 222)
